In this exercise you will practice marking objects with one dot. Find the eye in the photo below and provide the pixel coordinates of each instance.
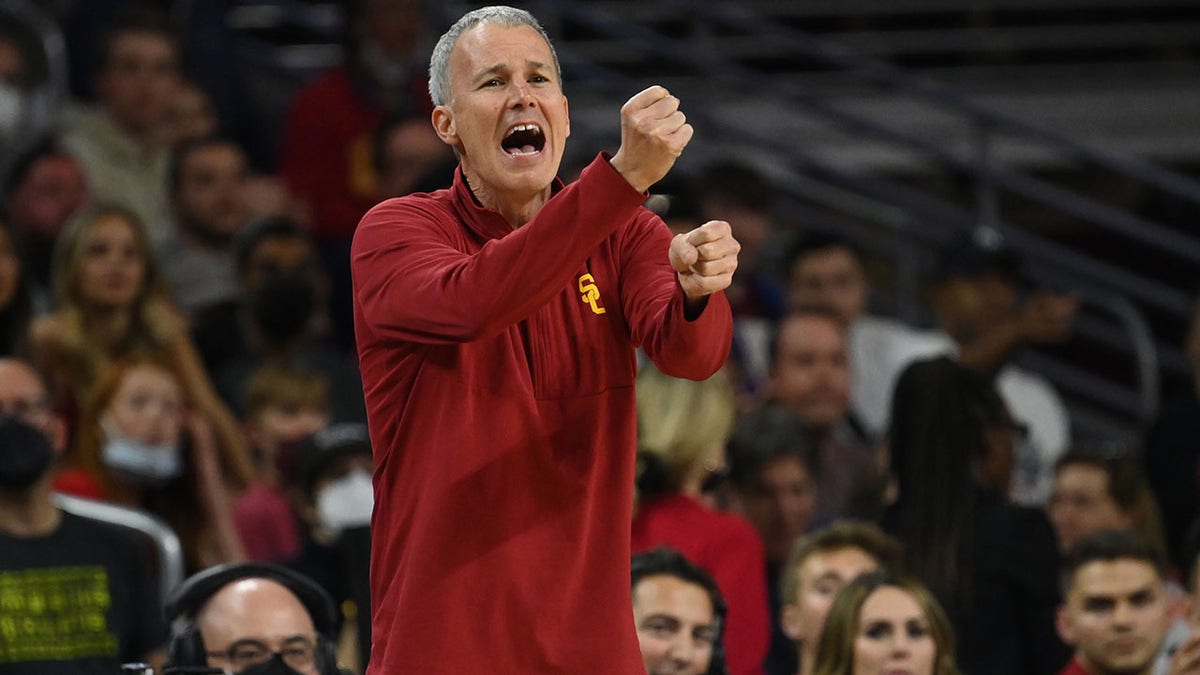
(539, 79)
(916, 629)
(878, 630)
(494, 82)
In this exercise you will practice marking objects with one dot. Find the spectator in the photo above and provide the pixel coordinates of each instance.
(79, 594)
(143, 443)
(828, 271)
(334, 498)
(120, 144)
(984, 323)
(280, 318)
(991, 564)
(326, 155)
(252, 618)
(206, 181)
(820, 567)
(1095, 491)
(189, 116)
(285, 405)
(15, 298)
(1181, 647)
(679, 615)
(810, 377)
(1114, 611)
(682, 428)
(882, 623)
(112, 304)
(45, 188)
(409, 157)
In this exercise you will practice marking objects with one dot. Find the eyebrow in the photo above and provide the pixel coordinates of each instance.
(503, 67)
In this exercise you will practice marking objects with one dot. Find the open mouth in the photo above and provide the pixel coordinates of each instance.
(524, 139)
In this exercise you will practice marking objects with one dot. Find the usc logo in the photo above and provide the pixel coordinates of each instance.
(590, 293)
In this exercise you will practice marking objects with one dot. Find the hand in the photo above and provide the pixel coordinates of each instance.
(1048, 317)
(654, 133)
(1186, 660)
(705, 258)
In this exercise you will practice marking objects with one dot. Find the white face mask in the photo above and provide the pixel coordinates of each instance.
(150, 464)
(346, 502)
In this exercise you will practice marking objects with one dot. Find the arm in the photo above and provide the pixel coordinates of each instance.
(224, 543)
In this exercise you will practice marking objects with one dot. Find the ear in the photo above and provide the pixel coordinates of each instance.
(789, 621)
(444, 126)
(1064, 625)
(567, 114)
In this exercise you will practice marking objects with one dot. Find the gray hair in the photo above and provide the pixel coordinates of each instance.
(439, 62)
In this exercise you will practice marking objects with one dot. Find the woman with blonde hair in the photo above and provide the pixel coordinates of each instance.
(141, 443)
(682, 430)
(882, 623)
(113, 304)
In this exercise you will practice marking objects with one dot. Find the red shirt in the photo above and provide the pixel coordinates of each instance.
(729, 549)
(1074, 667)
(498, 370)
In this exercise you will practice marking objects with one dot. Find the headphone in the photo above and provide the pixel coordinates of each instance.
(187, 652)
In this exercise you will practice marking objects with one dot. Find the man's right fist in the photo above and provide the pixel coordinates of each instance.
(654, 133)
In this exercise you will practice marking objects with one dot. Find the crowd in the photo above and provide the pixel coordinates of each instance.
(847, 494)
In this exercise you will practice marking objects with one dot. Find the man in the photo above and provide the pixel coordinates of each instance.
(821, 565)
(1114, 612)
(679, 615)
(119, 144)
(810, 377)
(75, 593)
(496, 323)
(251, 619)
(206, 181)
(828, 271)
(1094, 492)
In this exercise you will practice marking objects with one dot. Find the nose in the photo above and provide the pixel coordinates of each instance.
(523, 96)
(681, 649)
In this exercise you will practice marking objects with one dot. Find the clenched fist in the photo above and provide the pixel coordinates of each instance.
(654, 133)
(705, 259)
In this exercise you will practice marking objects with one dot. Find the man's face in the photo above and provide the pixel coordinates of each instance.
(821, 576)
(832, 278)
(23, 395)
(507, 115)
(249, 620)
(280, 255)
(53, 189)
(810, 375)
(968, 306)
(675, 624)
(1081, 504)
(211, 178)
(781, 505)
(1115, 616)
(138, 80)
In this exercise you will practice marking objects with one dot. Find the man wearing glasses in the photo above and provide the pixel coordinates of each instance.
(74, 592)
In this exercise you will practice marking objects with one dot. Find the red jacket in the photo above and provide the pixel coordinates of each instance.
(498, 369)
(1074, 667)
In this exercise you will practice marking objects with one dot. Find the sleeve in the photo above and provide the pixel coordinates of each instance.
(653, 302)
(411, 281)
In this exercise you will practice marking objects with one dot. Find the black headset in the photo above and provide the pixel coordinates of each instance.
(187, 651)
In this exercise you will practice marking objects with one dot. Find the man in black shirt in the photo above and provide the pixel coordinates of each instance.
(76, 595)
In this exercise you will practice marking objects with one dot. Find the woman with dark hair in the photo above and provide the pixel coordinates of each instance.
(883, 623)
(991, 564)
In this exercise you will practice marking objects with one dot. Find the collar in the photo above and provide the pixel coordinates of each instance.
(483, 222)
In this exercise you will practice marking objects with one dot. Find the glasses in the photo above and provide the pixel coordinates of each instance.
(299, 653)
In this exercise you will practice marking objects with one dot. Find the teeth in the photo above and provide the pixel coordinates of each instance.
(524, 127)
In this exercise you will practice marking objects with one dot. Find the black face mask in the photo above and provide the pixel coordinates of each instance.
(25, 454)
(272, 666)
(282, 305)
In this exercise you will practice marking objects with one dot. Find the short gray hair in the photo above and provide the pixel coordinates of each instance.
(439, 62)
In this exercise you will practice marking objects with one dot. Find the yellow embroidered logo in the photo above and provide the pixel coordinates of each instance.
(591, 294)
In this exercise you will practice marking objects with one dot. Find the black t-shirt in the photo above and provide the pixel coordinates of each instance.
(80, 600)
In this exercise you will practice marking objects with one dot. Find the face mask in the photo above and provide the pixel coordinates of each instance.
(25, 454)
(345, 503)
(272, 666)
(282, 306)
(143, 462)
